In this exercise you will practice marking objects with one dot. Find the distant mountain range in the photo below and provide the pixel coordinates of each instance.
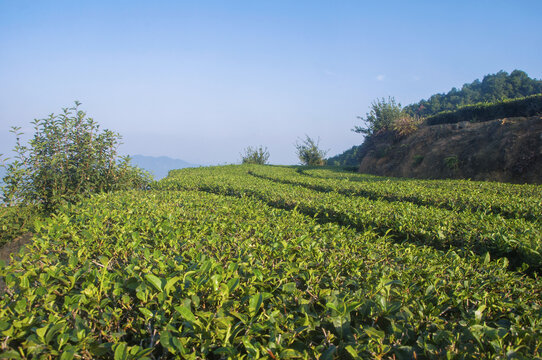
(159, 166)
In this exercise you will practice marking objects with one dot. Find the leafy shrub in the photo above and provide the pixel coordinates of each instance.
(527, 106)
(406, 124)
(381, 117)
(67, 158)
(417, 160)
(15, 221)
(452, 162)
(351, 157)
(258, 155)
(309, 152)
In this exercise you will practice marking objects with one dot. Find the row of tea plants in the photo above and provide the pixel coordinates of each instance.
(216, 263)
(519, 240)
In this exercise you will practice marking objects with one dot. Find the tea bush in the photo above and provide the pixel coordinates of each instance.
(527, 106)
(68, 158)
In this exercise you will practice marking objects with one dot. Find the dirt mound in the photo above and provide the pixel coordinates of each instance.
(508, 150)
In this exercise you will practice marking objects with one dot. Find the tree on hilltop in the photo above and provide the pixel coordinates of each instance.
(309, 152)
(259, 155)
(382, 116)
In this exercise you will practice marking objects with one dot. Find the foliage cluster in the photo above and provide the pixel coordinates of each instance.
(388, 115)
(259, 155)
(381, 117)
(68, 158)
(527, 106)
(418, 159)
(177, 273)
(493, 88)
(406, 125)
(452, 162)
(309, 152)
(16, 221)
(350, 157)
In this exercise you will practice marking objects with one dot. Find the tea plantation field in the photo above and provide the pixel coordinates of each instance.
(247, 262)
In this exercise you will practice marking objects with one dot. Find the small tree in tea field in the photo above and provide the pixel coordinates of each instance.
(258, 155)
(68, 157)
(309, 152)
(382, 116)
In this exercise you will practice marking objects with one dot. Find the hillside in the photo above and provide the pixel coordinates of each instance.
(493, 88)
(473, 142)
(507, 150)
(282, 262)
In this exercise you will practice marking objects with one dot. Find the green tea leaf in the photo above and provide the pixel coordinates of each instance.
(255, 303)
(186, 313)
(232, 284)
(120, 351)
(155, 281)
(478, 312)
(41, 332)
(10, 354)
(352, 352)
(170, 284)
(374, 333)
(148, 314)
(329, 353)
(289, 287)
(67, 354)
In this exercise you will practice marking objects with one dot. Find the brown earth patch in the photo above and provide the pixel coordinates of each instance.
(10, 248)
(508, 150)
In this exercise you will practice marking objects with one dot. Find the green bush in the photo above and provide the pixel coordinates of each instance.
(15, 221)
(309, 152)
(452, 162)
(527, 106)
(258, 156)
(382, 116)
(351, 158)
(68, 158)
(417, 160)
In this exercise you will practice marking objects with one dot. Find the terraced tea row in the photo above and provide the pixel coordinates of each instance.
(516, 239)
(486, 187)
(517, 201)
(184, 274)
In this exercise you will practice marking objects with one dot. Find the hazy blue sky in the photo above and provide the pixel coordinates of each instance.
(201, 80)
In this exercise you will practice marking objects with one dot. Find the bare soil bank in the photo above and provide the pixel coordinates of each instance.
(12, 248)
(507, 150)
